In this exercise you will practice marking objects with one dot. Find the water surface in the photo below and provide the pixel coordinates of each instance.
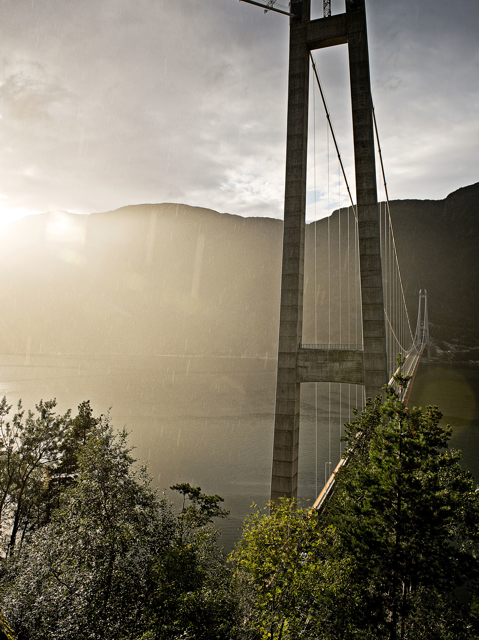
(209, 420)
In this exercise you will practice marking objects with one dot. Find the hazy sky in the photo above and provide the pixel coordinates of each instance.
(105, 103)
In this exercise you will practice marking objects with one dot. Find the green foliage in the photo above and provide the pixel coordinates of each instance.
(289, 573)
(200, 508)
(38, 460)
(6, 632)
(76, 437)
(64, 472)
(29, 450)
(191, 594)
(407, 516)
(392, 555)
(84, 573)
(191, 586)
(113, 560)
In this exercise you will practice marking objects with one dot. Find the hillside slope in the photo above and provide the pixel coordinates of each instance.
(170, 278)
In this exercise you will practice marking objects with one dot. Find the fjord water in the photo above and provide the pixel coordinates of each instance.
(202, 420)
(454, 388)
(209, 420)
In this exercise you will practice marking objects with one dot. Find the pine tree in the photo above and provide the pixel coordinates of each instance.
(407, 516)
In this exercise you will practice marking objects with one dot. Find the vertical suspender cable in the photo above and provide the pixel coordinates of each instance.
(340, 271)
(327, 474)
(400, 285)
(349, 318)
(315, 286)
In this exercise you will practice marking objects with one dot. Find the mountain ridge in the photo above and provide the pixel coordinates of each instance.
(173, 278)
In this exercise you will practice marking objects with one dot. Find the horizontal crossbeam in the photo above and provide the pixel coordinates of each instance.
(326, 32)
(330, 365)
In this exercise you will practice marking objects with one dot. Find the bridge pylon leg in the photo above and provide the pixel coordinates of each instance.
(374, 333)
(286, 431)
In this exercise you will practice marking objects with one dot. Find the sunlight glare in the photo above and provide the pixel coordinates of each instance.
(65, 227)
(7, 216)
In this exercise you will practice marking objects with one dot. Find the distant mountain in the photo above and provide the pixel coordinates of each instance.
(171, 278)
(143, 279)
(438, 248)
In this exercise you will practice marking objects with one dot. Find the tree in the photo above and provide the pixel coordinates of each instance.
(84, 574)
(407, 518)
(191, 586)
(114, 561)
(288, 573)
(28, 448)
(392, 555)
(64, 472)
(38, 460)
(198, 509)
(5, 631)
(82, 425)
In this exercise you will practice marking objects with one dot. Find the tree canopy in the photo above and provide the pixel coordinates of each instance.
(393, 554)
(113, 560)
(99, 553)
(407, 515)
(289, 573)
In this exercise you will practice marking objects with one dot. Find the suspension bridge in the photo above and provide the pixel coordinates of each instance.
(350, 330)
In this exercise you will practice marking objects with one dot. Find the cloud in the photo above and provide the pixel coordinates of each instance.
(106, 103)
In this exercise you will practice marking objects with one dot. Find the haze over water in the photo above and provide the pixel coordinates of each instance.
(209, 420)
(169, 315)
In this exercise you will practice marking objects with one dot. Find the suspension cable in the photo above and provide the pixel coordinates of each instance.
(328, 117)
(389, 214)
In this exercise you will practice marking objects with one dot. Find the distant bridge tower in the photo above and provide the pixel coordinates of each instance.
(295, 364)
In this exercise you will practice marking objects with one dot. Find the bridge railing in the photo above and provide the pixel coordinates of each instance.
(349, 347)
(408, 367)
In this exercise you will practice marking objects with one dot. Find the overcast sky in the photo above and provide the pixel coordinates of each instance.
(105, 103)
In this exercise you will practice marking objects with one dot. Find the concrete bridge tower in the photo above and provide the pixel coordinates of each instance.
(295, 364)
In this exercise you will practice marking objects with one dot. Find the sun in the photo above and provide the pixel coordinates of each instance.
(61, 227)
(9, 215)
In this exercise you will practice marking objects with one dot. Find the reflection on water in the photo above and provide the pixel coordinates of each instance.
(203, 420)
(209, 420)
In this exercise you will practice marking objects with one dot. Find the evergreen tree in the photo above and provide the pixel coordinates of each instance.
(407, 516)
(30, 447)
(393, 555)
